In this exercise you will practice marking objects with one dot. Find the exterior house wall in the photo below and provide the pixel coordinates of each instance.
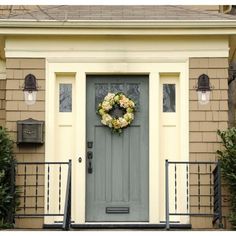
(205, 120)
(2, 102)
(232, 94)
(16, 109)
(2, 93)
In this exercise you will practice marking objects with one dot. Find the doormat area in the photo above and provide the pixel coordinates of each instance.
(91, 226)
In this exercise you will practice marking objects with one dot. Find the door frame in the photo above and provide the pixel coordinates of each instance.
(56, 66)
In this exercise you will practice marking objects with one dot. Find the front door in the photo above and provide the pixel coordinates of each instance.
(117, 165)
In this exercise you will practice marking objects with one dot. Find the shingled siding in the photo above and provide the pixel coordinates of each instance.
(205, 120)
(2, 102)
(16, 109)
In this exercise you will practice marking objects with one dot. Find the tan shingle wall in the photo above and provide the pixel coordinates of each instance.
(16, 109)
(205, 120)
(2, 102)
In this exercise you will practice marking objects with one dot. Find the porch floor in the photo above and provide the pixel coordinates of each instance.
(91, 226)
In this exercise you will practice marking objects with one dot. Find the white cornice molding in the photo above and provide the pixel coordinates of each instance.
(117, 23)
(117, 31)
(131, 27)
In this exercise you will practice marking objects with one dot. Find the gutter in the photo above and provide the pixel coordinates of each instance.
(118, 27)
(118, 23)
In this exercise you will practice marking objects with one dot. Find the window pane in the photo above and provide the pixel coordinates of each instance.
(168, 97)
(65, 104)
(101, 90)
(133, 92)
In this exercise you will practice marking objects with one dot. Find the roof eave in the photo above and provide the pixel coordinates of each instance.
(115, 26)
(117, 23)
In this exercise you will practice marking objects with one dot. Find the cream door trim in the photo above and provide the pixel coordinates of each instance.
(80, 70)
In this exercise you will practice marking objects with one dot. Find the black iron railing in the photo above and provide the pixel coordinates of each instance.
(193, 189)
(67, 208)
(45, 190)
(217, 195)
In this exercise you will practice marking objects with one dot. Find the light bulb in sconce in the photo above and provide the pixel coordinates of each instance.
(203, 97)
(30, 89)
(30, 97)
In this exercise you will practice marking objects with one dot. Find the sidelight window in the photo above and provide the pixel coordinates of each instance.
(65, 102)
(169, 98)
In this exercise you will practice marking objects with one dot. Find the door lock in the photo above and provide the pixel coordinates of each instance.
(90, 169)
(89, 144)
(90, 157)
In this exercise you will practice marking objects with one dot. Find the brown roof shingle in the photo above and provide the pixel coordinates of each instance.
(112, 12)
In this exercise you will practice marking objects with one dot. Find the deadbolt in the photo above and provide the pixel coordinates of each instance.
(90, 169)
(90, 144)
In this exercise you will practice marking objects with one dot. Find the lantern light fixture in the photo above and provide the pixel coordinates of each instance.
(30, 89)
(203, 89)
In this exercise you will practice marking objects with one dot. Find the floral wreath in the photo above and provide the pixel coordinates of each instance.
(110, 103)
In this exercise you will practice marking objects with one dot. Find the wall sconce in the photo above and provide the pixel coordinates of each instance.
(203, 89)
(30, 89)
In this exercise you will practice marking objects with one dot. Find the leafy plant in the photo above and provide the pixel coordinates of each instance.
(228, 167)
(8, 193)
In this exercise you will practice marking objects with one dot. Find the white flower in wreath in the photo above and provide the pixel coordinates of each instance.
(107, 120)
(109, 97)
(106, 105)
(123, 122)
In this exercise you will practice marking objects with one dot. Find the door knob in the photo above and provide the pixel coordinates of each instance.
(90, 155)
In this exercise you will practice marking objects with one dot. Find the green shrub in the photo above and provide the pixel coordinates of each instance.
(228, 167)
(8, 193)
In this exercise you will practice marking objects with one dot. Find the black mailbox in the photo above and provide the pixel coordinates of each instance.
(30, 131)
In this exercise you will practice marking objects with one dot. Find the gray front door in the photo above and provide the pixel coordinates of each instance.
(117, 182)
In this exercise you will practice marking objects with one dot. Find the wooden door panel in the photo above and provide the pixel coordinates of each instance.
(119, 181)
